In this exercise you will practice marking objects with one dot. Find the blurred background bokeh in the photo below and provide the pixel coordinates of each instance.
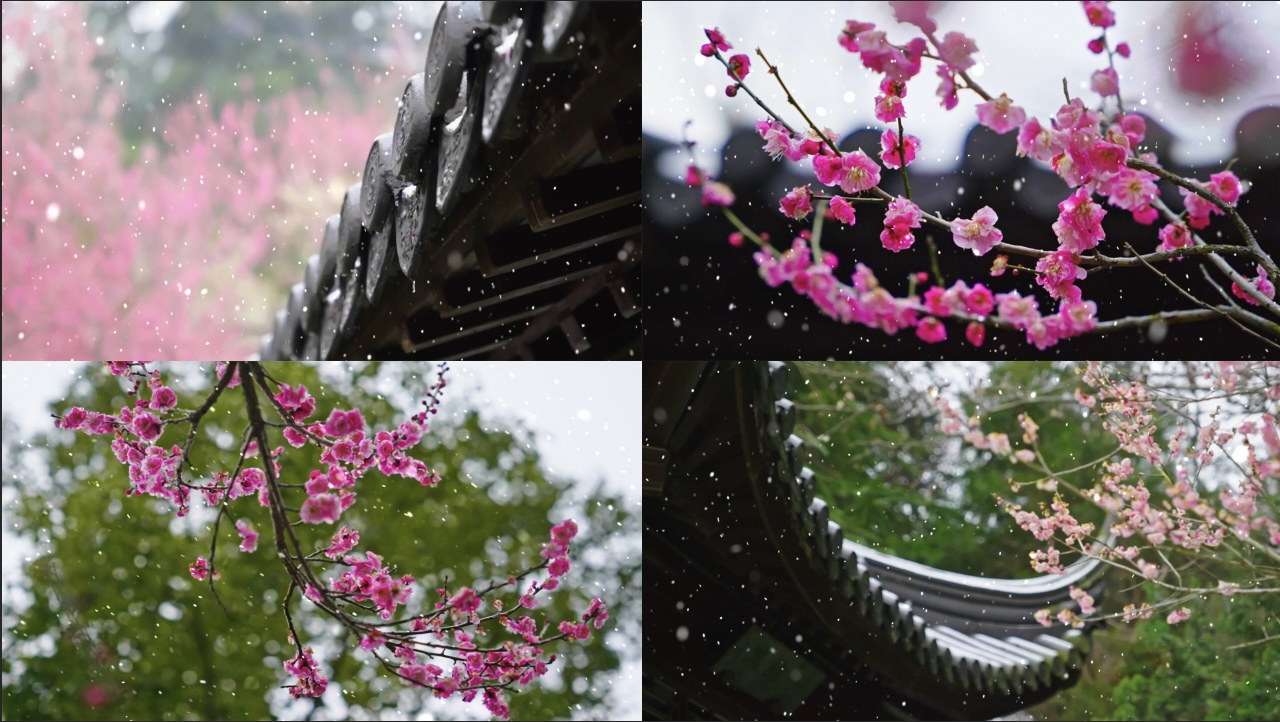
(169, 165)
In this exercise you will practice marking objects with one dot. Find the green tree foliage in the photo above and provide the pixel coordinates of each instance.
(118, 628)
(230, 51)
(894, 481)
(1217, 669)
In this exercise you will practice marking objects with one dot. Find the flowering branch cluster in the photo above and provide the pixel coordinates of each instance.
(450, 634)
(1236, 455)
(1094, 151)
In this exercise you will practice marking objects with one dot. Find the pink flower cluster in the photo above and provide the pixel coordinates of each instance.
(366, 579)
(557, 550)
(713, 193)
(200, 569)
(1074, 317)
(1088, 149)
(854, 172)
(798, 203)
(866, 302)
(1225, 185)
(897, 62)
(902, 216)
(596, 611)
(342, 542)
(311, 682)
(254, 168)
(889, 147)
(249, 536)
(1262, 283)
(780, 142)
(889, 103)
(348, 454)
(1188, 520)
(961, 299)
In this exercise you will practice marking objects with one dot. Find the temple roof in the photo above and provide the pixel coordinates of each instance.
(500, 217)
(758, 607)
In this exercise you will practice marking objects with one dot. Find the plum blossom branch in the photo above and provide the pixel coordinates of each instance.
(1094, 151)
(366, 587)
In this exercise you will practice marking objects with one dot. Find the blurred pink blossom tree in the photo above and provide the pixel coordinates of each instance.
(187, 252)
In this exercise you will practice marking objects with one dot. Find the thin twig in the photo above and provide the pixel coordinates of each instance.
(773, 70)
(1223, 311)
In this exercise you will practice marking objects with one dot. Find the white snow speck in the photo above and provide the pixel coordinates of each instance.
(52, 212)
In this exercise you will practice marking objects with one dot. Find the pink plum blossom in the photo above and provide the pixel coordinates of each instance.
(558, 567)
(1132, 190)
(931, 330)
(163, 399)
(956, 50)
(979, 300)
(717, 194)
(1105, 82)
(915, 13)
(979, 233)
(889, 149)
(1078, 317)
(1100, 16)
(1261, 282)
(854, 172)
(249, 541)
(147, 426)
(466, 601)
(74, 419)
(311, 683)
(1040, 142)
(778, 141)
(297, 400)
(1001, 115)
(1079, 224)
(200, 569)
(342, 542)
(947, 89)
(344, 423)
(1085, 600)
(1017, 309)
(797, 203)
(321, 508)
(975, 333)
(717, 42)
(842, 210)
(1058, 274)
(1226, 186)
(373, 640)
(889, 108)
(1174, 236)
(902, 216)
